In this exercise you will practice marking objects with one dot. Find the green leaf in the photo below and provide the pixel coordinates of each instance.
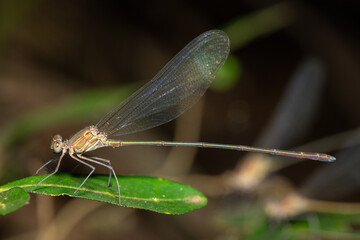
(150, 193)
(12, 199)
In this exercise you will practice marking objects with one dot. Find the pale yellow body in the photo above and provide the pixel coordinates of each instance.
(87, 139)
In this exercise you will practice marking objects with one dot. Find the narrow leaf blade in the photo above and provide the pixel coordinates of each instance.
(12, 199)
(150, 193)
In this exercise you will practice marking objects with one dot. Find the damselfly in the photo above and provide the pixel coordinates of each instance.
(176, 88)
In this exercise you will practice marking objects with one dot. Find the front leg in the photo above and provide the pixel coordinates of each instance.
(55, 171)
(44, 165)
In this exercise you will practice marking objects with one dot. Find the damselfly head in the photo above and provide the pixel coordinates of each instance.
(56, 144)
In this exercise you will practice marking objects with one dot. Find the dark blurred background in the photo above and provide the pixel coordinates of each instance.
(52, 52)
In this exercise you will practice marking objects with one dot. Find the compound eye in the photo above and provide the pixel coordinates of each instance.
(57, 147)
(56, 144)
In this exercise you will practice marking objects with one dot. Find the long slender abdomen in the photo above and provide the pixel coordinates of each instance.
(294, 154)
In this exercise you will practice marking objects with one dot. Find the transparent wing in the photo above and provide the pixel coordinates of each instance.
(176, 88)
